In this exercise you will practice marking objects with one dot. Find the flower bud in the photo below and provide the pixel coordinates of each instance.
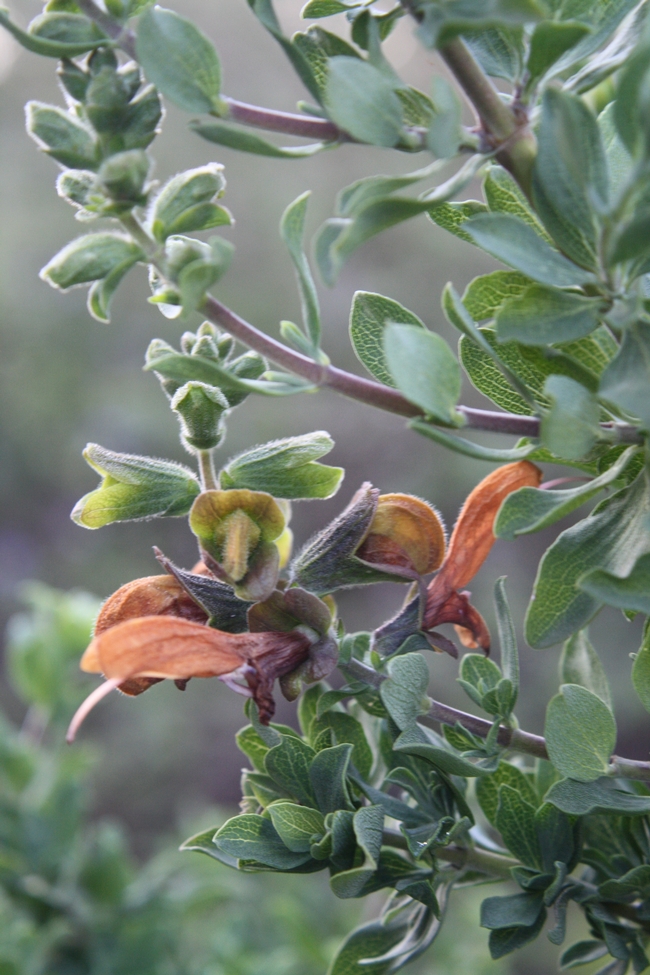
(124, 175)
(237, 530)
(201, 410)
(182, 251)
(134, 488)
(186, 203)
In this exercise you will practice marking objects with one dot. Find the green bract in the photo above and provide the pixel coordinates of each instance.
(134, 488)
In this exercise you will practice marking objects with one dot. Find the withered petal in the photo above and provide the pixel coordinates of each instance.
(473, 536)
(455, 607)
(150, 596)
(405, 531)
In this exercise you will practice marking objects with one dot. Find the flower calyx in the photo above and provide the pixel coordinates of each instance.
(296, 610)
(237, 530)
(377, 538)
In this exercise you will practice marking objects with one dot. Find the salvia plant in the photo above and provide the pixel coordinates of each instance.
(559, 340)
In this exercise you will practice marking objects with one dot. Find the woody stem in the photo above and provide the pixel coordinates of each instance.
(512, 738)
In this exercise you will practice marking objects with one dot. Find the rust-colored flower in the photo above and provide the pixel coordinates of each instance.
(162, 647)
(406, 536)
(149, 596)
(469, 546)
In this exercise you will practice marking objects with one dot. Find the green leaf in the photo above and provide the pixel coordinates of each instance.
(498, 50)
(631, 241)
(503, 195)
(57, 35)
(630, 107)
(452, 216)
(625, 381)
(372, 940)
(570, 171)
(531, 509)
(179, 60)
(223, 134)
(581, 953)
(339, 237)
(580, 733)
(543, 316)
(292, 231)
(347, 730)
(478, 676)
(515, 911)
(203, 843)
(511, 939)
(288, 764)
(603, 795)
(186, 202)
(580, 664)
(297, 826)
(515, 243)
(62, 136)
(252, 837)
(485, 295)
(254, 747)
(362, 102)
(571, 427)
(326, 8)
(286, 468)
(469, 449)
(405, 690)
(101, 292)
(613, 538)
(641, 672)
(487, 789)
(445, 129)
(369, 315)
(507, 637)
(632, 592)
(353, 199)
(548, 43)
(425, 370)
(426, 744)
(327, 776)
(515, 820)
(90, 258)
(134, 488)
(632, 885)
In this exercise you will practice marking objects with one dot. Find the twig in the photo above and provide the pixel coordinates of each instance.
(513, 738)
(372, 393)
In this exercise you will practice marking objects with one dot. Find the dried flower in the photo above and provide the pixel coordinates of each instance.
(469, 546)
(162, 647)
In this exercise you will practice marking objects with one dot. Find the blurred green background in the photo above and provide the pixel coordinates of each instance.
(66, 380)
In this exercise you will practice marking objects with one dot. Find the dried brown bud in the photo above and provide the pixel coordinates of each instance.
(405, 533)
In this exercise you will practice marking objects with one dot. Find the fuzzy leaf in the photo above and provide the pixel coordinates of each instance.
(580, 733)
(369, 316)
(425, 370)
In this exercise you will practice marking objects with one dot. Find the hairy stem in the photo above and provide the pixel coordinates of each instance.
(209, 479)
(512, 738)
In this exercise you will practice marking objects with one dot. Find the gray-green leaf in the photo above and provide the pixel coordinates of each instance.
(369, 315)
(580, 733)
(580, 664)
(425, 369)
(542, 315)
(179, 60)
(361, 101)
(570, 428)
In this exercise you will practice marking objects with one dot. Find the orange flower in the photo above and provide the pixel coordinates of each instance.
(469, 546)
(406, 536)
(151, 630)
